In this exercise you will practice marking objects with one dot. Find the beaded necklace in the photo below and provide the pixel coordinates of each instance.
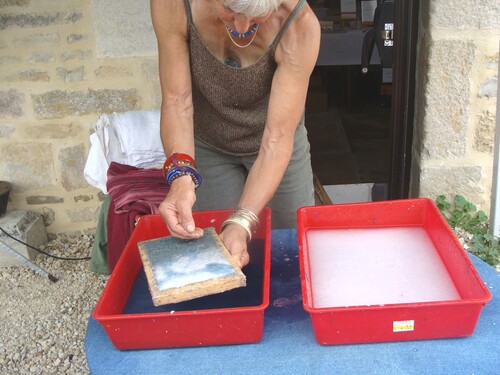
(253, 30)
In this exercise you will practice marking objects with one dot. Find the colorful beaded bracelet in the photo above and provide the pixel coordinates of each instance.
(178, 165)
(176, 159)
(179, 171)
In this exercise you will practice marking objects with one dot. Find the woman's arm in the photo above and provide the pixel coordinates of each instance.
(176, 121)
(296, 57)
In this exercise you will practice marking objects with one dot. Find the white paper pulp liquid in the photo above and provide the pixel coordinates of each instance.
(376, 266)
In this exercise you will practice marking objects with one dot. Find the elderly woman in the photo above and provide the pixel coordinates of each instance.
(234, 76)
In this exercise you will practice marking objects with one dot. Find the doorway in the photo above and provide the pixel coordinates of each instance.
(360, 125)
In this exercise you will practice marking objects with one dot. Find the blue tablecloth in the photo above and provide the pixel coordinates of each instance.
(289, 347)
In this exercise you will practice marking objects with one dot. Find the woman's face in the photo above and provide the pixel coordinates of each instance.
(239, 22)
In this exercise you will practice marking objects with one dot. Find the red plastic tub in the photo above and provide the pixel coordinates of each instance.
(200, 322)
(363, 323)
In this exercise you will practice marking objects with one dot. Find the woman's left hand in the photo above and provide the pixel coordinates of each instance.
(235, 238)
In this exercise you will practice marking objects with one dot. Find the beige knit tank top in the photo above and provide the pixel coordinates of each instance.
(230, 104)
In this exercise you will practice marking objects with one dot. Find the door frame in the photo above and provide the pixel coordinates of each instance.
(403, 96)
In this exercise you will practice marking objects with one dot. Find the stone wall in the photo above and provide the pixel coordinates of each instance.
(62, 64)
(455, 118)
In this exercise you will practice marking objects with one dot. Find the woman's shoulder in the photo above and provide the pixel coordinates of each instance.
(169, 15)
(306, 24)
(303, 34)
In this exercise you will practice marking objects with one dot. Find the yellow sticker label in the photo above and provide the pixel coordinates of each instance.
(403, 325)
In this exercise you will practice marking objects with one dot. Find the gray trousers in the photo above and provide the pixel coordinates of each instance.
(224, 177)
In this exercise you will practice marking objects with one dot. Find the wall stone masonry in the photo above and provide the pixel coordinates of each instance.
(43, 199)
(465, 15)
(4, 60)
(51, 131)
(32, 75)
(467, 178)
(63, 103)
(488, 88)
(455, 105)
(76, 38)
(447, 98)
(28, 166)
(123, 28)
(39, 20)
(40, 57)
(54, 87)
(484, 139)
(72, 164)
(71, 75)
(81, 215)
(64, 63)
(12, 103)
(37, 40)
(48, 215)
(19, 3)
(75, 55)
(6, 130)
(83, 198)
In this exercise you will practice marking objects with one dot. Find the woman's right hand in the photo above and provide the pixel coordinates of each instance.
(235, 239)
(176, 209)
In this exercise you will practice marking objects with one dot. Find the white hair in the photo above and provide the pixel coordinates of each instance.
(253, 8)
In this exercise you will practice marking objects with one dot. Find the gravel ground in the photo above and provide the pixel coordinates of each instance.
(43, 324)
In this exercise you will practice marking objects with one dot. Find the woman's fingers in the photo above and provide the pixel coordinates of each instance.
(176, 210)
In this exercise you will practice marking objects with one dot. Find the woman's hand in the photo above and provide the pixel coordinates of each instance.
(176, 209)
(235, 238)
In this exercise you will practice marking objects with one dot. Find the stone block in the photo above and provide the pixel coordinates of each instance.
(33, 75)
(488, 88)
(82, 215)
(29, 164)
(6, 130)
(76, 55)
(9, 60)
(49, 216)
(123, 28)
(40, 57)
(111, 71)
(12, 3)
(447, 99)
(44, 199)
(73, 38)
(61, 103)
(26, 226)
(71, 75)
(83, 198)
(459, 14)
(12, 103)
(26, 20)
(484, 138)
(51, 131)
(452, 180)
(73, 163)
(37, 40)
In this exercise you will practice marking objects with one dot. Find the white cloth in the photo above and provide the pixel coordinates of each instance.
(131, 138)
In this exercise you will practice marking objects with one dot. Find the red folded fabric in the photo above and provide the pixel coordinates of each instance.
(134, 192)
